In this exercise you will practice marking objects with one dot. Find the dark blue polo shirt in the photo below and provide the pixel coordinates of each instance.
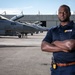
(62, 33)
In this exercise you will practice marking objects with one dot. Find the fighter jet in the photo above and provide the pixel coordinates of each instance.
(9, 27)
(37, 24)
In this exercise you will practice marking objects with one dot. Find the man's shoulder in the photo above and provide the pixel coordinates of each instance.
(53, 28)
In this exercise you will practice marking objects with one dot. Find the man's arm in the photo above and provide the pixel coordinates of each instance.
(52, 47)
(70, 44)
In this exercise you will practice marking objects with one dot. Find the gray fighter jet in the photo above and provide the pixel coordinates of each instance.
(9, 27)
(37, 24)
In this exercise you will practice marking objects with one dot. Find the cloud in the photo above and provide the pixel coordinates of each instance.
(9, 11)
(14, 11)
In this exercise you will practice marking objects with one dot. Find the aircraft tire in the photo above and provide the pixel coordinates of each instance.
(31, 33)
(19, 36)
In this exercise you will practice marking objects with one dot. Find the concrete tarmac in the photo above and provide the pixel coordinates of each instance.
(24, 56)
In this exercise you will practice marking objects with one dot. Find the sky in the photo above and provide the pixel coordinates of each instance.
(33, 7)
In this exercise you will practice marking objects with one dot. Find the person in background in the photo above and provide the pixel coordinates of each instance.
(61, 41)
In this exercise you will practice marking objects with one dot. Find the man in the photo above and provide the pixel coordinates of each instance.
(61, 41)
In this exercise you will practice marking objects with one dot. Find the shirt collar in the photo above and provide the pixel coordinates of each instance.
(69, 25)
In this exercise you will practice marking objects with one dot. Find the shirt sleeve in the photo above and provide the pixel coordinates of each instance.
(48, 37)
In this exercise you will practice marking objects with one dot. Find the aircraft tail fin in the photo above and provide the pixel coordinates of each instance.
(16, 17)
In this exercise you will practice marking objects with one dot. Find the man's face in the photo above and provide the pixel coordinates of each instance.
(63, 14)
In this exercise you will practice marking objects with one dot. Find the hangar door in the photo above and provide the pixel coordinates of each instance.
(43, 23)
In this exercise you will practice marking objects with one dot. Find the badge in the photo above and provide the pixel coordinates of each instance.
(70, 30)
(54, 66)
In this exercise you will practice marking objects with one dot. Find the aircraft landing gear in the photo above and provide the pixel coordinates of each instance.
(31, 33)
(25, 34)
(19, 36)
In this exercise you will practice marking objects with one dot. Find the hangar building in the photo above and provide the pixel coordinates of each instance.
(47, 20)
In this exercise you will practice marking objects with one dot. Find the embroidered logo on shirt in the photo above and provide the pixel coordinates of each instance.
(70, 30)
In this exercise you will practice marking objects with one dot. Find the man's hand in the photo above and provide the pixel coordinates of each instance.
(66, 45)
(71, 44)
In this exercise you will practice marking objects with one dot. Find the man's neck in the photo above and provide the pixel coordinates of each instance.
(64, 23)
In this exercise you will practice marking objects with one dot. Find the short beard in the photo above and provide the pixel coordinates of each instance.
(65, 20)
